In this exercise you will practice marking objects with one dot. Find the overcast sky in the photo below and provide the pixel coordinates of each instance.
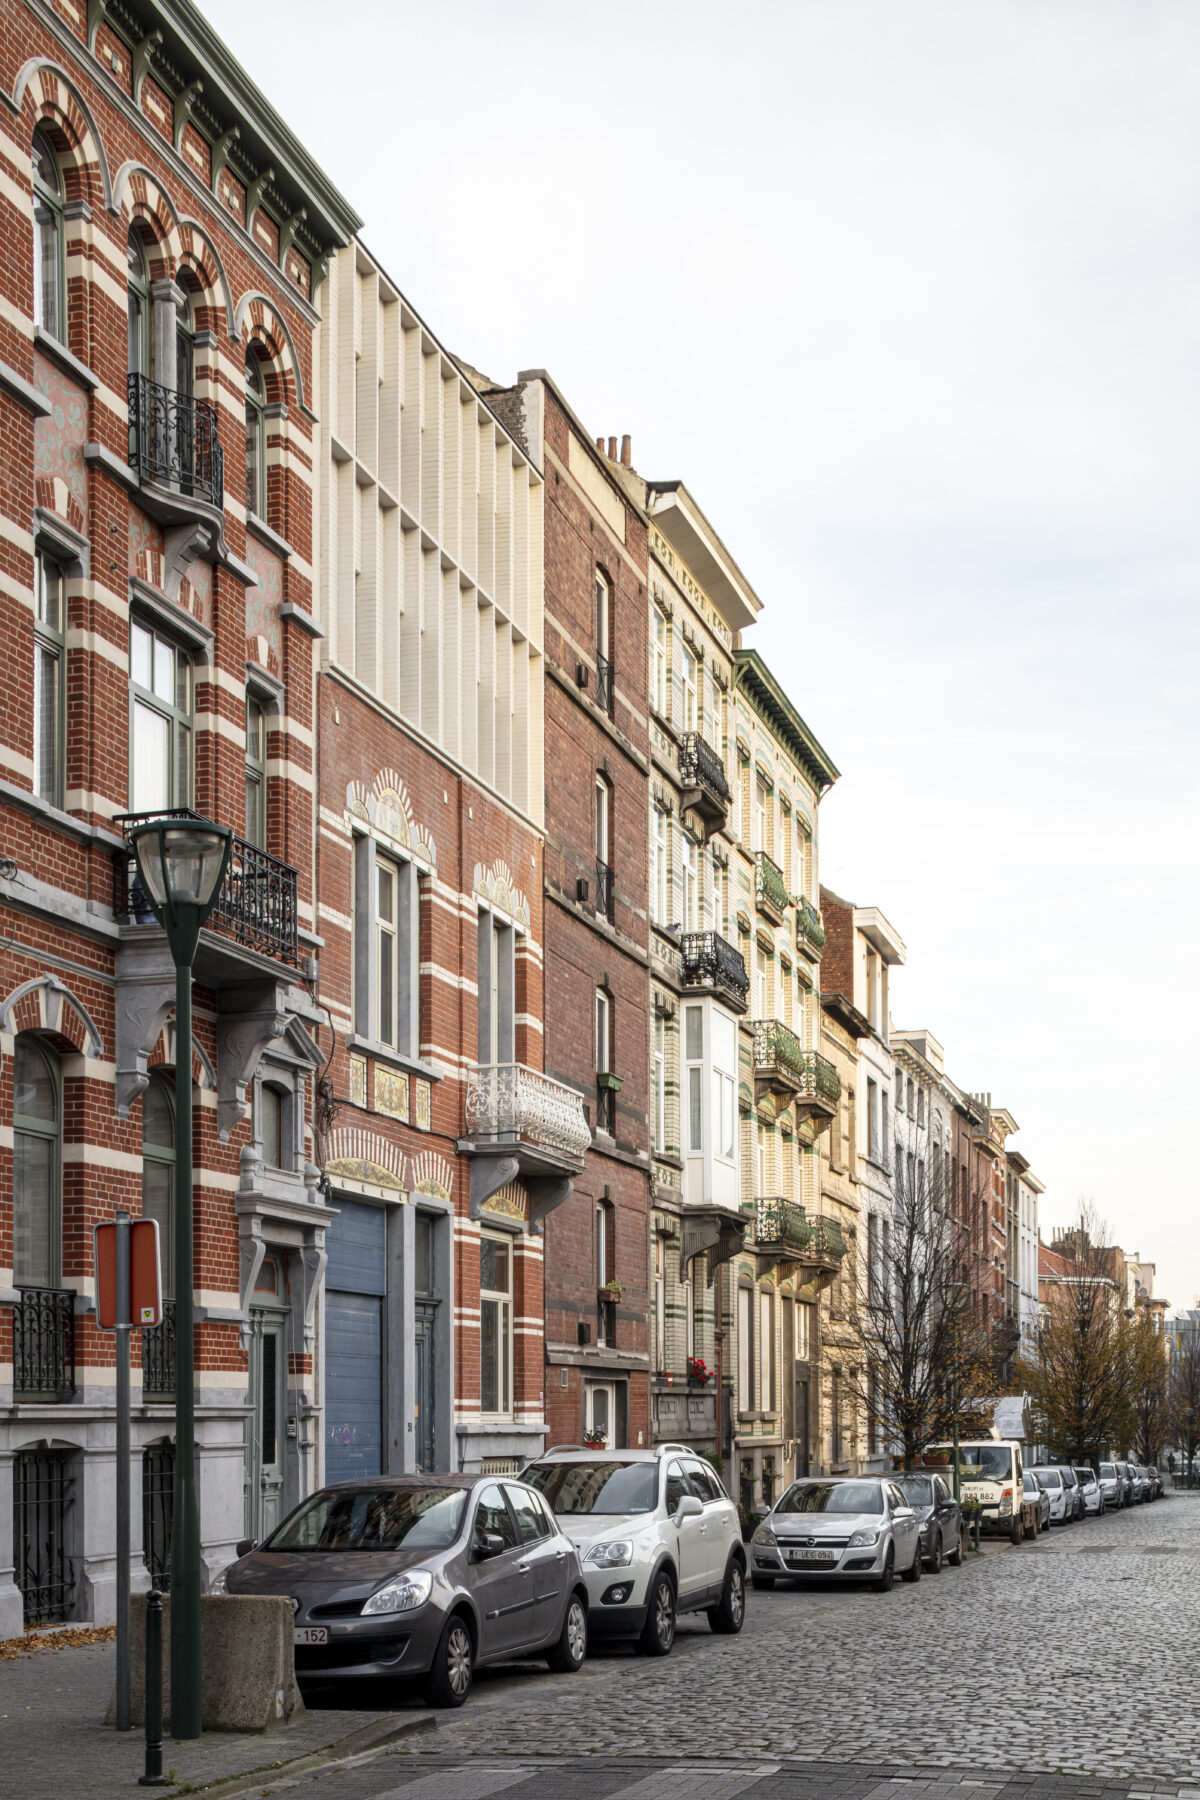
(908, 293)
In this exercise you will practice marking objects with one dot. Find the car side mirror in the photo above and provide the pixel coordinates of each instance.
(487, 1544)
(689, 1508)
(904, 1512)
(245, 1546)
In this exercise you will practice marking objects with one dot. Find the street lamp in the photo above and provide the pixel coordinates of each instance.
(182, 864)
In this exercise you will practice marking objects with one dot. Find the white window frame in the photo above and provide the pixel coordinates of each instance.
(659, 864)
(603, 1031)
(688, 672)
(745, 1349)
(693, 1085)
(658, 1087)
(724, 1087)
(502, 1300)
(690, 884)
(658, 663)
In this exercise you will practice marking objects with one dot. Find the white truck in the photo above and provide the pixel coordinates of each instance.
(990, 1470)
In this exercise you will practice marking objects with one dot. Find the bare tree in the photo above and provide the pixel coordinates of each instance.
(1148, 1396)
(923, 1363)
(1078, 1376)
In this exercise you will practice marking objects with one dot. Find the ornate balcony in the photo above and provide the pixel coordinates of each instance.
(256, 906)
(158, 1357)
(520, 1123)
(173, 440)
(770, 889)
(706, 790)
(810, 933)
(711, 962)
(788, 1239)
(605, 679)
(782, 1066)
(44, 1344)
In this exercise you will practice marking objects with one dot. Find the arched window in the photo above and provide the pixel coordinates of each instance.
(185, 344)
(49, 308)
(141, 309)
(37, 1165)
(256, 437)
(158, 1172)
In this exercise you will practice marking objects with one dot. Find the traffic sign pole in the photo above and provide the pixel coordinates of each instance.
(124, 1321)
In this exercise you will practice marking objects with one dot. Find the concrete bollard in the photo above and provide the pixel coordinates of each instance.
(249, 1665)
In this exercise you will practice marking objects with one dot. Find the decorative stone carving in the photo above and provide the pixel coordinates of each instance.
(241, 1039)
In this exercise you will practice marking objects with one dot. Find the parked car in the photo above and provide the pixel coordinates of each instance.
(1138, 1481)
(1089, 1488)
(1154, 1483)
(1037, 1501)
(1126, 1473)
(851, 1527)
(657, 1536)
(1074, 1496)
(1112, 1488)
(421, 1575)
(1051, 1482)
(938, 1515)
(990, 1471)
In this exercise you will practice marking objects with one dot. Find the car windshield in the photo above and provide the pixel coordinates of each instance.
(596, 1487)
(1048, 1478)
(918, 1489)
(985, 1462)
(832, 1496)
(1030, 1483)
(1108, 1471)
(1086, 1478)
(374, 1518)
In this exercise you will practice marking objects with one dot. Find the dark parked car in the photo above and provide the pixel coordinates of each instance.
(938, 1515)
(421, 1576)
(1074, 1491)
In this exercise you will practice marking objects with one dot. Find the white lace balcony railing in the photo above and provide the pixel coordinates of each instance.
(510, 1101)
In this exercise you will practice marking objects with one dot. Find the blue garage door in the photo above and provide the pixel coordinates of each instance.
(355, 1283)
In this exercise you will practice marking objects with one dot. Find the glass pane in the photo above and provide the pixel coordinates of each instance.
(141, 654)
(694, 1028)
(600, 1411)
(489, 1356)
(49, 594)
(158, 1202)
(387, 987)
(33, 1202)
(253, 460)
(34, 1094)
(493, 1266)
(695, 1128)
(423, 1277)
(164, 670)
(183, 681)
(386, 889)
(254, 731)
(45, 721)
(45, 285)
(158, 1118)
(272, 1121)
(183, 766)
(150, 783)
(253, 808)
(270, 1410)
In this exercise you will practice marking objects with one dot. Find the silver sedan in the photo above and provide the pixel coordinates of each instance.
(857, 1528)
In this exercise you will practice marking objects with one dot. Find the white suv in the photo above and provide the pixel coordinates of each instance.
(657, 1535)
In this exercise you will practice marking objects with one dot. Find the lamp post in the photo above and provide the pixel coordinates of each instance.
(182, 864)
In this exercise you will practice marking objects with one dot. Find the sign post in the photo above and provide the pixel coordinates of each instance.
(128, 1291)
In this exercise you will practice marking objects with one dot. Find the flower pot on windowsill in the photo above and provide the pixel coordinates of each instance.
(611, 1291)
(613, 1083)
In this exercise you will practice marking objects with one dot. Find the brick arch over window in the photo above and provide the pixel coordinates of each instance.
(46, 1005)
(163, 1057)
(198, 253)
(141, 199)
(262, 327)
(46, 95)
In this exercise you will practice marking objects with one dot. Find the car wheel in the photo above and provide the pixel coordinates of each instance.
(1016, 1531)
(449, 1680)
(934, 1562)
(887, 1575)
(729, 1615)
(913, 1571)
(762, 1581)
(658, 1633)
(954, 1557)
(570, 1652)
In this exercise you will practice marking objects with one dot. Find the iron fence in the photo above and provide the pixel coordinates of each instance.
(158, 1512)
(42, 1491)
(256, 906)
(158, 1357)
(173, 438)
(44, 1343)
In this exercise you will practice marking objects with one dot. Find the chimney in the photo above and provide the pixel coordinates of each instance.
(600, 445)
(612, 449)
(626, 452)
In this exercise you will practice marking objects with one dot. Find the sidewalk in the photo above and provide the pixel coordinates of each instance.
(53, 1746)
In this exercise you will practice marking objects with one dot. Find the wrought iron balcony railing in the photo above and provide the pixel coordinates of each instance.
(810, 933)
(256, 906)
(770, 889)
(827, 1240)
(604, 683)
(158, 1356)
(780, 1058)
(701, 772)
(781, 1225)
(173, 439)
(604, 888)
(709, 960)
(507, 1101)
(44, 1343)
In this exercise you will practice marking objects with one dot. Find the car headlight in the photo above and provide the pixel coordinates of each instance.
(219, 1584)
(402, 1594)
(615, 1555)
(1005, 1508)
(862, 1538)
(764, 1535)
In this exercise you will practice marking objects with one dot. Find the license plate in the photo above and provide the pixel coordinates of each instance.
(310, 1634)
(819, 1556)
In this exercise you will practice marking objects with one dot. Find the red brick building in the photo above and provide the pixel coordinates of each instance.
(597, 1022)
(162, 248)
(449, 1143)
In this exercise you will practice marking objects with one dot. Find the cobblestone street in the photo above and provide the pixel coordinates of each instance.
(1067, 1664)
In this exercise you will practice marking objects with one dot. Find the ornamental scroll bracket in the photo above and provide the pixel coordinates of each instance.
(488, 1175)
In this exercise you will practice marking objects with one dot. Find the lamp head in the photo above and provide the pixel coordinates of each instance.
(182, 864)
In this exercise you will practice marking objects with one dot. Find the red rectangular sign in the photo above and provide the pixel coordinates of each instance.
(145, 1291)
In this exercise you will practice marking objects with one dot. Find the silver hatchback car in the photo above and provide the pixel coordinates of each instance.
(421, 1575)
(858, 1528)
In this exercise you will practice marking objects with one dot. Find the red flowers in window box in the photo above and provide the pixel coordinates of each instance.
(699, 1371)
